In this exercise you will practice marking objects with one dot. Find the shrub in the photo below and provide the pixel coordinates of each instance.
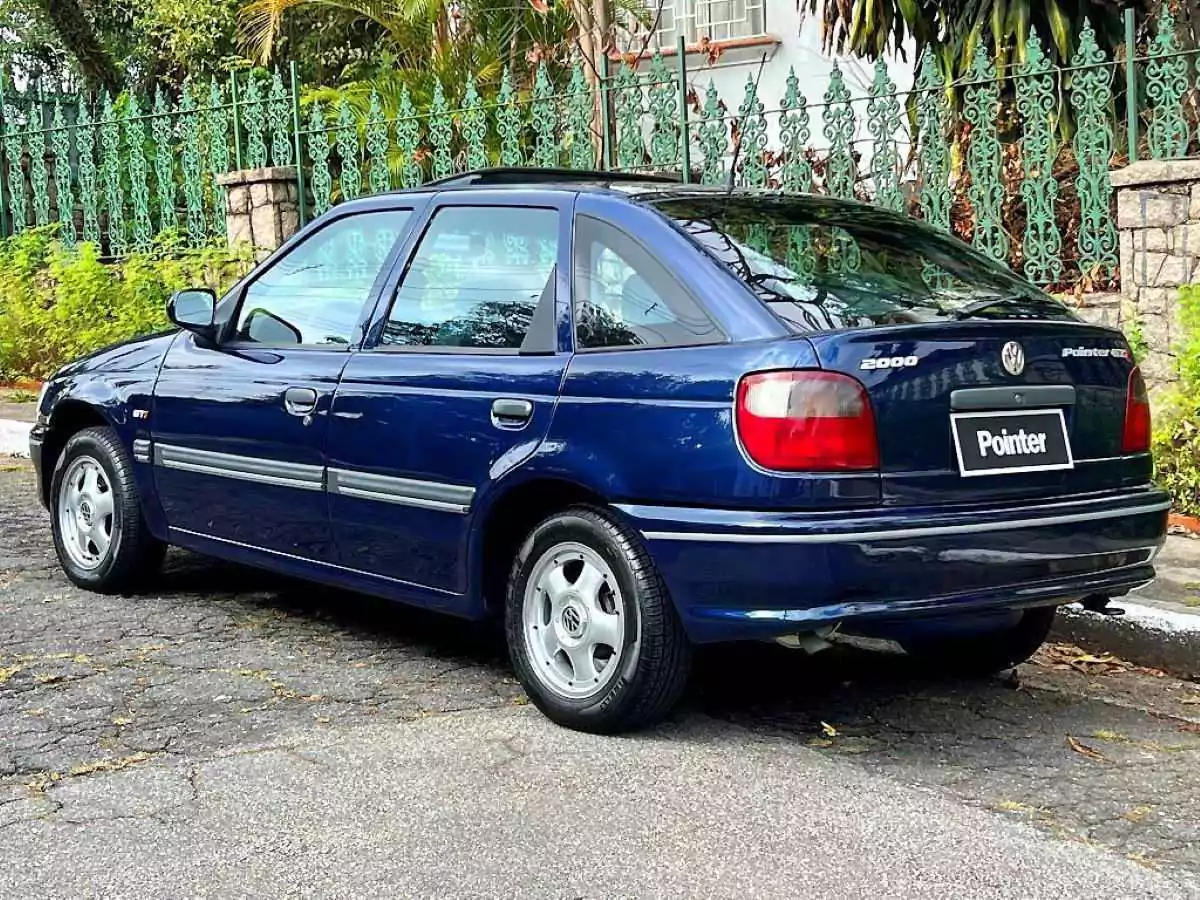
(57, 304)
(1176, 439)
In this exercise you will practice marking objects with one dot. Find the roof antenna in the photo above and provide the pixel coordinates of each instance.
(738, 146)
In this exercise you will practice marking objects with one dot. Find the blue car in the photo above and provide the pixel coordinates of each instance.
(628, 417)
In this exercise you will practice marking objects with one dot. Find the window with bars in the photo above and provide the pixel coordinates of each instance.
(717, 20)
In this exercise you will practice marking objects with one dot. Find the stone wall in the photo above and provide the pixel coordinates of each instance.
(262, 207)
(1158, 221)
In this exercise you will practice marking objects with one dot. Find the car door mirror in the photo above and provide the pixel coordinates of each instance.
(192, 309)
(264, 327)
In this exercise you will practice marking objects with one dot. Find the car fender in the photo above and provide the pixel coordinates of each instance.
(116, 386)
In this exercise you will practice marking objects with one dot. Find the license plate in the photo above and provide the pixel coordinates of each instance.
(995, 443)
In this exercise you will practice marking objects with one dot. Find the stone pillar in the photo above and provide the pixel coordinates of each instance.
(262, 208)
(1158, 222)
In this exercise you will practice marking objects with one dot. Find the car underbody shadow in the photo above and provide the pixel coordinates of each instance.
(361, 615)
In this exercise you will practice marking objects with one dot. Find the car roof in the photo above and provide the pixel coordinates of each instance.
(635, 187)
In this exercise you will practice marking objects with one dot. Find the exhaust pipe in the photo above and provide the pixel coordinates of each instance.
(809, 641)
(1098, 603)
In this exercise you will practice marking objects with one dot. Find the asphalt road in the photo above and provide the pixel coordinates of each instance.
(232, 734)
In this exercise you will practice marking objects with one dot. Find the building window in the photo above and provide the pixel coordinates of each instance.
(717, 20)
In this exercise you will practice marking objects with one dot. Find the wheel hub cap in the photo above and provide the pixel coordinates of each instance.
(573, 619)
(86, 523)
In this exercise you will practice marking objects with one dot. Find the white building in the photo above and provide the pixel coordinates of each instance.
(744, 31)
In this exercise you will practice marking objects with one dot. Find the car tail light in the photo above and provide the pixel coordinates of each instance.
(1136, 438)
(805, 421)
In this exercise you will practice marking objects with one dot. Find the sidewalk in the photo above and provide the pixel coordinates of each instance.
(1161, 624)
(14, 437)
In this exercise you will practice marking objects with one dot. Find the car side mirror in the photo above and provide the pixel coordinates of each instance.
(193, 309)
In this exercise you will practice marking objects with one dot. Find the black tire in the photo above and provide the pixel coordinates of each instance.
(133, 555)
(981, 655)
(656, 658)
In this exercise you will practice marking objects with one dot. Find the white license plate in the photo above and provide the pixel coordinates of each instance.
(1009, 442)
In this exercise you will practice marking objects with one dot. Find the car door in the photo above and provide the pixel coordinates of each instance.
(239, 424)
(455, 385)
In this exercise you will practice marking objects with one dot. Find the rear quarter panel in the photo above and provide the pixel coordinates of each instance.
(656, 427)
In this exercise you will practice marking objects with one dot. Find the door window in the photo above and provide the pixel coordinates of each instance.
(315, 293)
(476, 279)
(626, 298)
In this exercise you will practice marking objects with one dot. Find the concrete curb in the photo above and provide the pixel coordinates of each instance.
(1149, 635)
(14, 437)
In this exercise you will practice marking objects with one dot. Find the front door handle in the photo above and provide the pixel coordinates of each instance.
(507, 413)
(300, 401)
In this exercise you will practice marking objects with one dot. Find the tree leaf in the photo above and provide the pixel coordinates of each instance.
(1083, 749)
(828, 730)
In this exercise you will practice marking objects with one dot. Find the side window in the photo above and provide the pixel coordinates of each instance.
(476, 279)
(315, 293)
(626, 298)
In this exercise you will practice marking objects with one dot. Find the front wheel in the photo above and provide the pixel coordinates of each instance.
(980, 655)
(100, 536)
(593, 635)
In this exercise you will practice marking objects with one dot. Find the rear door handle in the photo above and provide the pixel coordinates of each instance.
(300, 401)
(508, 413)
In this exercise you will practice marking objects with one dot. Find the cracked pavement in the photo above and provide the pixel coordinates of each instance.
(233, 733)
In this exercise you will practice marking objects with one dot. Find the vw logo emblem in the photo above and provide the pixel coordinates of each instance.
(571, 620)
(1012, 357)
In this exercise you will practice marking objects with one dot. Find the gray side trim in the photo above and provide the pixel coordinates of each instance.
(1024, 397)
(242, 468)
(141, 450)
(405, 491)
(895, 534)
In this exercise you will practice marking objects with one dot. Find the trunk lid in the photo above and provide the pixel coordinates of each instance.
(920, 376)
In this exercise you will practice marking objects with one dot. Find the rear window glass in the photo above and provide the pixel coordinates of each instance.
(822, 265)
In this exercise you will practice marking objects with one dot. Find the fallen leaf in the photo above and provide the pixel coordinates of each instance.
(828, 730)
(1082, 748)
(1190, 727)
(121, 720)
(820, 742)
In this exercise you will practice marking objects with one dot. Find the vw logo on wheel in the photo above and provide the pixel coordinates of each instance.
(571, 620)
(1012, 357)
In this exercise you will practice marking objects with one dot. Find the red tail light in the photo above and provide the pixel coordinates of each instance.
(803, 421)
(1136, 438)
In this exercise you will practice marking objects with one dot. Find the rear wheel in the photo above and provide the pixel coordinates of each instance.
(980, 655)
(593, 635)
(100, 536)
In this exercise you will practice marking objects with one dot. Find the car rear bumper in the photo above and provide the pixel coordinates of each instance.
(737, 574)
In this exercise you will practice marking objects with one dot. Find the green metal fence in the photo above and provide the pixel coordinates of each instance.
(1014, 158)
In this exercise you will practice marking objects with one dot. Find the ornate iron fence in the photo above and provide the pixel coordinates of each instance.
(1015, 158)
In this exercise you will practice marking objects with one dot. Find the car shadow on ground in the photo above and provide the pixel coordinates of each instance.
(759, 683)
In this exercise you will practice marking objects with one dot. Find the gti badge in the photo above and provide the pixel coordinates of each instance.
(1012, 357)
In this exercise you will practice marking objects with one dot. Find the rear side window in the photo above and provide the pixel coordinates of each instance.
(476, 279)
(315, 293)
(626, 298)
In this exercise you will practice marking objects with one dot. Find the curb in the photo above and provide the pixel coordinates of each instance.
(14, 437)
(1146, 635)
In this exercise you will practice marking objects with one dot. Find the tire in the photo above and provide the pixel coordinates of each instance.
(981, 655)
(590, 685)
(93, 490)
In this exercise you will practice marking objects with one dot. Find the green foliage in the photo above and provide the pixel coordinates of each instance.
(57, 304)
(1176, 439)
(952, 30)
(1135, 333)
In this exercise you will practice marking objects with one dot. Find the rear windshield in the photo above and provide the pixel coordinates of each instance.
(823, 265)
